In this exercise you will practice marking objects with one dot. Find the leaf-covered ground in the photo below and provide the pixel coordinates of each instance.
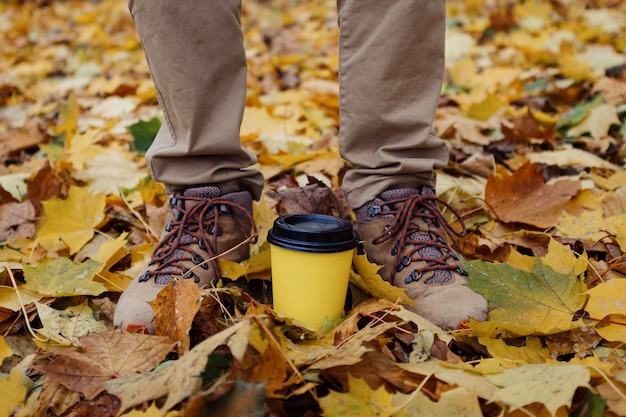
(533, 108)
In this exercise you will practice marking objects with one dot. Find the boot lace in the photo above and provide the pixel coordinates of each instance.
(194, 227)
(428, 248)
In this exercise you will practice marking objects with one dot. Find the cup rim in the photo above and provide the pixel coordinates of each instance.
(317, 233)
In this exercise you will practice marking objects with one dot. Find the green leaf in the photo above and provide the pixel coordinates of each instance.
(577, 114)
(525, 303)
(62, 278)
(595, 406)
(144, 133)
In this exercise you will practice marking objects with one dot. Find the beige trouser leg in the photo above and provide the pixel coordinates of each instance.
(391, 64)
(391, 69)
(195, 52)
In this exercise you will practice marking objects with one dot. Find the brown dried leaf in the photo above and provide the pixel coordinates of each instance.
(174, 308)
(104, 356)
(7, 197)
(17, 220)
(524, 198)
(55, 398)
(26, 137)
(314, 198)
(376, 369)
(182, 378)
(46, 184)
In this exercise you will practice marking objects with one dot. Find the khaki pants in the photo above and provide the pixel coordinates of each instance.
(391, 63)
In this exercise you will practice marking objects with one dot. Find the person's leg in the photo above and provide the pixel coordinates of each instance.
(196, 58)
(197, 61)
(391, 64)
(391, 67)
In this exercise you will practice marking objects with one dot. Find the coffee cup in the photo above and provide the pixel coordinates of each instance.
(311, 258)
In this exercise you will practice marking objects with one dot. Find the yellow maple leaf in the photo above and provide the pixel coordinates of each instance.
(369, 281)
(68, 117)
(111, 169)
(65, 327)
(597, 123)
(5, 350)
(575, 69)
(486, 108)
(455, 402)
(463, 71)
(594, 226)
(608, 300)
(360, 400)
(82, 147)
(13, 392)
(70, 223)
(109, 254)
(10, 300)
(563, 260)
(531, 352)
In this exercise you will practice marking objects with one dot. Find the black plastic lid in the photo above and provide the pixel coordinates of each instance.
(318, 233)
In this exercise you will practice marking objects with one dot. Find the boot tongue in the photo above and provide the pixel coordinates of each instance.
(207, 192)
(399, 193)
(203, 192)
(428, 252)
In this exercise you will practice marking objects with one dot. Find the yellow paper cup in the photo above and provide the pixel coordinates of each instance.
(311, 256)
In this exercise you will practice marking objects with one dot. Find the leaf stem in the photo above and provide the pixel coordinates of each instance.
(22, 306)
(272, 338)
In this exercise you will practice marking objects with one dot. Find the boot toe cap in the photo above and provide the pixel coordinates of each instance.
(449, 307)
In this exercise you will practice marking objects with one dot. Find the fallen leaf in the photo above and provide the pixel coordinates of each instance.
(46, 184)
(10, 300)
(524, 197)
(70, 223)
(13, 393)
(551, 385)
(183, 378)
(104, 356)
(5, 350)
(243, 399)
(359, 400)
(66, 327)
(110, 170)
(457, 402)
(174, 308)
(597, 123)
(608, 300)
(540, 302)
(62, 278)
(371, 282)
(17, 221)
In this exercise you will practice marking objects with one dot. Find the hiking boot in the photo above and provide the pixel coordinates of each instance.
(202, 225)
(404, 231)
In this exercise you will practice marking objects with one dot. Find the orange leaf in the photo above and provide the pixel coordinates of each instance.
(524, 198)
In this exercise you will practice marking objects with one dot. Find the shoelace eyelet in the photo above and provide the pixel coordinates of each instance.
(394, 250)
(212, 229)
(196, 259)
(413, 276)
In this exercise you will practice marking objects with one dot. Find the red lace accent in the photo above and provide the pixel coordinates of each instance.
(428, 246)
(196, 225)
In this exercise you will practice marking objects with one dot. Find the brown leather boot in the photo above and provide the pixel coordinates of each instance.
(404, 231)
(201, 225)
